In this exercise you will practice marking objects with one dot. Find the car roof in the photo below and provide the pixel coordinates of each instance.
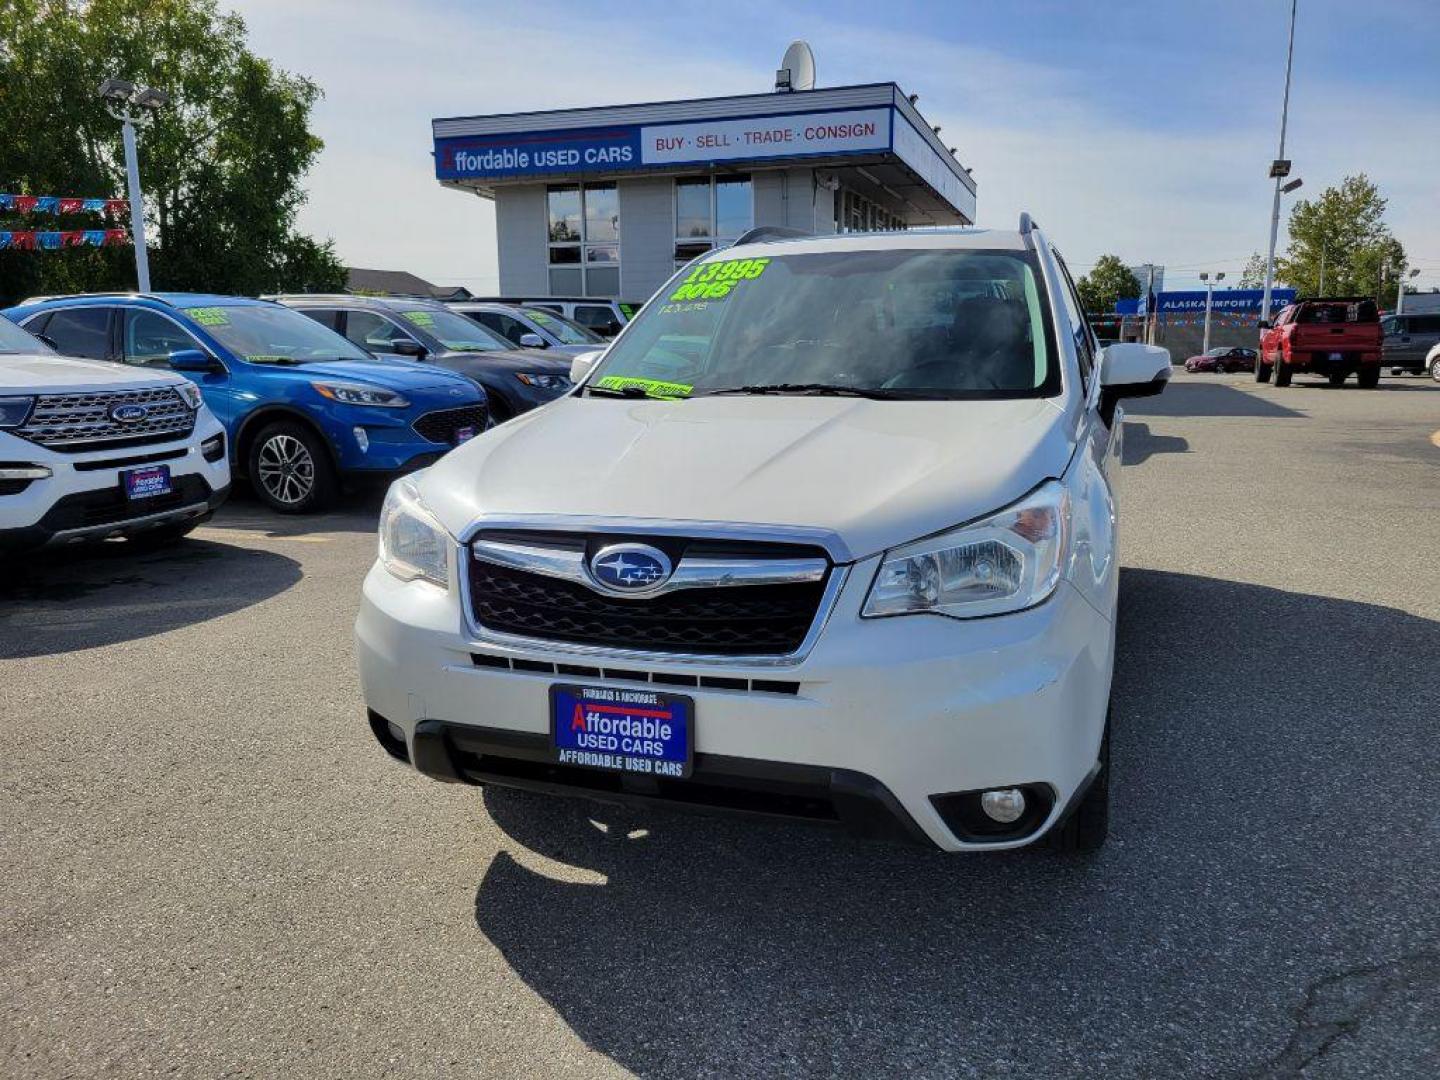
(355, 300)
(898, 240)
(165, 299)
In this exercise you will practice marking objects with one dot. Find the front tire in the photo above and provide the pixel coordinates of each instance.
(1435, 369)
(1088, 825)
(1262, 372)
(290, 469)
(1283, 374)
(1368, 377)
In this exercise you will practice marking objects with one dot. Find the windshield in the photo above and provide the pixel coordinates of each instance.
(568, 333)
(15, 340)
(451, 331)
(905, 324)
(266, 333)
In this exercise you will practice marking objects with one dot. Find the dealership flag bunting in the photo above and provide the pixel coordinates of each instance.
(61, 204)
(29, 240)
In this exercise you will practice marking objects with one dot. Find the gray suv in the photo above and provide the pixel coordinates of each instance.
(1409, 342)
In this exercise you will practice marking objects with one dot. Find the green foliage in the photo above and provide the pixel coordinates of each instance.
(1109, 280)
(1253, 276)
(220, 166)
(1343, 226)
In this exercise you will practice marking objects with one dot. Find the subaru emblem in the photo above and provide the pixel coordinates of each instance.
(128, 414)
(630, 568)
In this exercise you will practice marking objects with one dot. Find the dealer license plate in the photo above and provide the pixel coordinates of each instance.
(149, 481)
(1336, 357)
(464, 434)
(620, 730)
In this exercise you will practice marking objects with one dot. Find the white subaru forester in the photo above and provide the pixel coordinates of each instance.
(828, 533)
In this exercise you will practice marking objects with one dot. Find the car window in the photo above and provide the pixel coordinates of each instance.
(150, 338)
(13, 339)
(81, 332)
(271, 334)
(1079, 325)
(451, 330)
(1425, 324)
(326, 317)
(594, 317)
(507, 326)
(372, 331)
(914, 324)
(561, 328)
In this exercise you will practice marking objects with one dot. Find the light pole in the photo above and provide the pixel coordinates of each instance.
(134, 106)
(1209, 296)
(1400, 299)
(1279, 169)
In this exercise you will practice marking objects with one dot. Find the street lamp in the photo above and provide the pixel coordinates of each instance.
(1209, 295)
(1400, 299)
(1279, 169)
(134, 106)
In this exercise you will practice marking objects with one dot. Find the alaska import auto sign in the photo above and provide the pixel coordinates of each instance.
(617, 148)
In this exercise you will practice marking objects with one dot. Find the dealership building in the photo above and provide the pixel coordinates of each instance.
(609, 201)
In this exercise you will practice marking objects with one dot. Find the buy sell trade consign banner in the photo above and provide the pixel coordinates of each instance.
(846, 131)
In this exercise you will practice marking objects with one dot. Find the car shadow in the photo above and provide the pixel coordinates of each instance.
(1141, 443)
(101, 594)
(1186, 398)
(354, 512)
(1261, 802)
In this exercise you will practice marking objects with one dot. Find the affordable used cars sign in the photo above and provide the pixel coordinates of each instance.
(630, 146)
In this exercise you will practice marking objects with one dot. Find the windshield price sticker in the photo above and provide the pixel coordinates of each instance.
(420, 318)
(713, 281)
(209, 316)
(653, 387)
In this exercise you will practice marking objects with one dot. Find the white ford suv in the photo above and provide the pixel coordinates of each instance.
(90, 450)
(827, 533)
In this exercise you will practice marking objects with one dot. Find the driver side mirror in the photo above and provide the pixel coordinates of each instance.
(582, 365)
(407, 347)
(194, 360)
(1131, 370)
(1264, 324)
(533, 341)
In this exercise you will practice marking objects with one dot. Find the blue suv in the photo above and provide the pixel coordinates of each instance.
(302, 406)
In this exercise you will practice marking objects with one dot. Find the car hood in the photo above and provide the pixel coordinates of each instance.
(875, 473)
(398, 375)
(533, 361)
(45, 372)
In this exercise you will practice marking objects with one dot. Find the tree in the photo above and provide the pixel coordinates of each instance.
(1109, 280)
(1343, 229)
(1253, 276)
(221, 165)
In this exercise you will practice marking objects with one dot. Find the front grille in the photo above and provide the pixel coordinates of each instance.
(441, 426)
(751, 620)
(109, 506)
(74, 423)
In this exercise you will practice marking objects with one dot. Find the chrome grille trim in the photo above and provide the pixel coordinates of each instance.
(75, 422)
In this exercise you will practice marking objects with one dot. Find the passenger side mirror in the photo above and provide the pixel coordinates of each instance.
(1264, 324)
(533, 341)
(193, 360)
(407, 347)
(582, 365)
(1131, 370)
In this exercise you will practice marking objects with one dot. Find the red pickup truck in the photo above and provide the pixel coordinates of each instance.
(1332, 337)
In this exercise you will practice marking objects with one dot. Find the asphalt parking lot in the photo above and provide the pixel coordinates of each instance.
(209, 868)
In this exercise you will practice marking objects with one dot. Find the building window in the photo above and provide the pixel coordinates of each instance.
(584, 234)
(855, 213)
(711, 212)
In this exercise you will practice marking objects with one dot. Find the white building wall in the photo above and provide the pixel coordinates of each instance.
(647, 235)
(522, 239)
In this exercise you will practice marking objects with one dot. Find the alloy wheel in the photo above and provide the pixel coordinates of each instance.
(287, 471)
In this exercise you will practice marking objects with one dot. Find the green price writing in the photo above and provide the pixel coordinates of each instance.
(714, 281)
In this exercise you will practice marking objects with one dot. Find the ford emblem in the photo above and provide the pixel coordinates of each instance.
(128, 414)
(630, 567)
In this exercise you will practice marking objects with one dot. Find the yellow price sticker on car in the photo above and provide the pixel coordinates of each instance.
(716, 280)
(420, 318)
(209, 316)
(653, 387)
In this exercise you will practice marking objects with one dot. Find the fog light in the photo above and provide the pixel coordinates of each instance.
(362, 440)
(1004, 806)
(213, 448)
(396, 732)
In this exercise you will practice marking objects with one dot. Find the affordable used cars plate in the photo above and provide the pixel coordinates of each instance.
(620, 730)
(143, 483)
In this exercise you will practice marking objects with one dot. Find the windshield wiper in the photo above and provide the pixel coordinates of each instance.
(618, 391)
(282, 361)
(817, 389)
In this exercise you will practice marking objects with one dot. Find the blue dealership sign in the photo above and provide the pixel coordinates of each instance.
(531, 154)
(1225, 301)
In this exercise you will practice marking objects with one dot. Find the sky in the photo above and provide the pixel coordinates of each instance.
(1143, 129)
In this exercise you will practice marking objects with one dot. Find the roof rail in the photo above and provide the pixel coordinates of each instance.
(128, 293)
(771, 232)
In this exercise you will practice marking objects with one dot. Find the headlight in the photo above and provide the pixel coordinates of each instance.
(544, 382)
(412, 543)
(191, 394)
(360, 394)
(15, 410)
(1007, 562)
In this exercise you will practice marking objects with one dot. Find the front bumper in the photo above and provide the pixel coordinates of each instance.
(916, 706)
(82, 498)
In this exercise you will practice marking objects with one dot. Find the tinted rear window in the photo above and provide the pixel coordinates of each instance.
(1362, 311)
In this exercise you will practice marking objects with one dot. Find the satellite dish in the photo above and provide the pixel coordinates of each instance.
(797, 68)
